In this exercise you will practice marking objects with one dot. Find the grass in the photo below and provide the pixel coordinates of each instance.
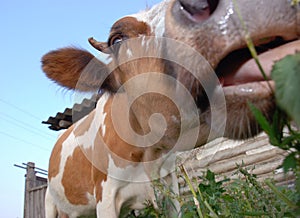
(242, 197)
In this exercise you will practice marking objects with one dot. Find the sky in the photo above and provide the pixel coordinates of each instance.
(29, 29)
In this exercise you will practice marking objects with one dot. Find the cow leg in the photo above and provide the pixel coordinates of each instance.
(50, 208)
(106, 207)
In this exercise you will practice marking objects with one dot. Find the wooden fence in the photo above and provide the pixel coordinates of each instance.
(222, 156)
(35, 189)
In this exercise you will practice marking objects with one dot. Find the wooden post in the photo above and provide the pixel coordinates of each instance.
(29, 184)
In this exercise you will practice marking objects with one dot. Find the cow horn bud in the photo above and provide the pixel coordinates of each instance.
(101, 46)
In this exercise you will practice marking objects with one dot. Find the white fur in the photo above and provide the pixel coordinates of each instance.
(155, 18)
(55, 191)
(100, 114)
(123, 185)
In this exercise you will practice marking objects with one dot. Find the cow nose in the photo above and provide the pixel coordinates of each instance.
(198, 10)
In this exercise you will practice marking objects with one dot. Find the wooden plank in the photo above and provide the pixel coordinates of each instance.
(222, 156)
(35, 190)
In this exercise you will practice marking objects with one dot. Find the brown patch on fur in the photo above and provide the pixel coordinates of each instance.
(116, 145)
(100, 165)
(85, 124)
(77, 177)
(128, 27)
(55, 157)
(111, 144)
(98, 177)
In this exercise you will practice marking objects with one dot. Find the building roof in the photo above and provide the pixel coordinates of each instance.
(63, 120)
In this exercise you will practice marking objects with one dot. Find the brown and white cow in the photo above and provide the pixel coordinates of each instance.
(91, 165)
(107, 159)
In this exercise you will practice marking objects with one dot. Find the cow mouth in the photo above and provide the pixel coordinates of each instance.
(240, 77)
(243, 82)
(239, 68)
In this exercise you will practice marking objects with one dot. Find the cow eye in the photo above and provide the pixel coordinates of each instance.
(116, 39)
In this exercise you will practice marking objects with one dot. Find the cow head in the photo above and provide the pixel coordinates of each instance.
(217, 29)
(136, 74)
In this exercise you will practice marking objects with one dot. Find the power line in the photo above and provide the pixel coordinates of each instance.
(24, 141)
(20, 109)
(25, 126)
(36, 169)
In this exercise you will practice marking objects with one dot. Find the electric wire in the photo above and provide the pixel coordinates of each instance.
(26, 126)
(24, 141)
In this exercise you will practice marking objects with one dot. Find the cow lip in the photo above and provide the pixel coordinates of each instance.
(245, 70)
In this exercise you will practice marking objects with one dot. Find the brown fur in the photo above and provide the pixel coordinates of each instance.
(85, 125)
(98, 178)
(128, 27)
(75, 68)
(76, 179)
(65, 65)
(55, 155)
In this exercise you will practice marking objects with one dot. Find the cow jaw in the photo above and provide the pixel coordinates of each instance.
(216, 28)
(243, 83)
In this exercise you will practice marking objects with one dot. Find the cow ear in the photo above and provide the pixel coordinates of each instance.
(78, 69)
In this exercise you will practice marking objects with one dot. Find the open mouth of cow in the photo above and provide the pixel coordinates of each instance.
(243, 82)
(238, 67)
(238, 72)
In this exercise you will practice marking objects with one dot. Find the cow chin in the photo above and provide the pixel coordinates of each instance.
(236, 113)
(240, 122)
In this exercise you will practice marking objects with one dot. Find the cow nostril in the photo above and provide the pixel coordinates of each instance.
(198, 10)
(213, 5)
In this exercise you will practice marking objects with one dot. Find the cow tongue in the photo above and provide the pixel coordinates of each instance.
(249, 71)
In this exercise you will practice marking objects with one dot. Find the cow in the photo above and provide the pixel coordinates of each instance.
(91, 166)
(108, 159)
